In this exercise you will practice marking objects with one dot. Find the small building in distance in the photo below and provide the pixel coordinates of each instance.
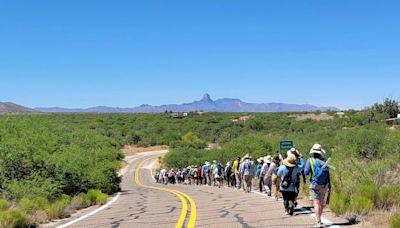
(241, 119)
(179, 115)
(340, 114)
(393, 122)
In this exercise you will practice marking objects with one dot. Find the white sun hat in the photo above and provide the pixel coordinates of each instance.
(268, 159)
(317, 149)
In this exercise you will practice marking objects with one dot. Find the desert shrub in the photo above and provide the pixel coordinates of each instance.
(339, 203)
(101, 199)
(395, 221)
(368, 191)
(58, 209)
(388, 197)
(4, 205)
(95, 196)
(361, 205)
(38, 203)
(80, 201)
(10, 219)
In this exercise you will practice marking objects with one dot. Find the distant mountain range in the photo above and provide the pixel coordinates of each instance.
(8, 107)
(206, 104)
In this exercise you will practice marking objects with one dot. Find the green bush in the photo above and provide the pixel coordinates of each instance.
(58, 209)
(4, 205)
(10, 219)
(388, 197)
(369, 191)
(80, 201)
(38, 203)
(339, 203)
(395, 221)
(101, 199)
(93, 195)
(361, 205)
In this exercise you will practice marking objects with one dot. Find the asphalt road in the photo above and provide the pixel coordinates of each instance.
(143, 203)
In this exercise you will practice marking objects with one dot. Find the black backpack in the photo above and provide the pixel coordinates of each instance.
(287, 180)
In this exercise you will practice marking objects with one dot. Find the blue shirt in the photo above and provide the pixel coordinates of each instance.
(284, 170)
(258, 171)
(308, 171)
(248, 168)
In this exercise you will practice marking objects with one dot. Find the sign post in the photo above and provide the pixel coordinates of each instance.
(285, 145)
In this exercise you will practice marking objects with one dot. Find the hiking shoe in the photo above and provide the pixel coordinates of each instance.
(318, 225)
(291, 211)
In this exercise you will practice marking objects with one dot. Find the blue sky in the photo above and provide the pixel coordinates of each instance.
(126, 53)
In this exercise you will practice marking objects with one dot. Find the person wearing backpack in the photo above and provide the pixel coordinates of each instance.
(248, 170)
(266, 180)
(259, 175)
(273, 178)
(235, 167)
(219, 175)
(288, 172)
(300, 160)
(320, 181)
(229, 174)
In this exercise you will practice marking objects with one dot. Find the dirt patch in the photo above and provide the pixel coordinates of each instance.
(123, 164)
(376, 219)
(130, 150)
(313, 116)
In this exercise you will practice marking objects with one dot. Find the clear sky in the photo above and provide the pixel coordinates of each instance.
(76, 53)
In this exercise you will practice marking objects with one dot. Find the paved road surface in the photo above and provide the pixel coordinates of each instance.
(143, 203)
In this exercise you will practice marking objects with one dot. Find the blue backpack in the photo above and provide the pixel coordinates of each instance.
(219, 170)
(320, 173)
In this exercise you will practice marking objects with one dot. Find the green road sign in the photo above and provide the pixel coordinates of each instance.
(286, 145)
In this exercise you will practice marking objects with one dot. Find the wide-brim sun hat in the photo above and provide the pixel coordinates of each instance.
(268, 159)
(214, 161)
(317, 149)
(260, 159)
(290, 161)
(292, 151)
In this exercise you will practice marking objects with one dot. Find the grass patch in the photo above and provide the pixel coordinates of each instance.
(395, 221)
(4, 205)
(10, 219)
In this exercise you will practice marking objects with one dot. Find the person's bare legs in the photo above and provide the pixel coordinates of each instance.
(318, 210)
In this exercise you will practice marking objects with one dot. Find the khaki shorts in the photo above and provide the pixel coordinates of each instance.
(318, 192)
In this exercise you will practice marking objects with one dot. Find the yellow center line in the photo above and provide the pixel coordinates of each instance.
(179, 194)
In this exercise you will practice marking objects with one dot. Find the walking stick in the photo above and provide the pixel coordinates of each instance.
(328, 199)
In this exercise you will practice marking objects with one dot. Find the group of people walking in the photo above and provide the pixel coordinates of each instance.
(274, 175)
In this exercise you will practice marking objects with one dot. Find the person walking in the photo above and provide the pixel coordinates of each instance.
(320, 181)
(238, 179)
(259, 173)
(204, 173)
(248, 171)
(219, 175)
(273, 175)
(208, 173)
(229, 175)
(300, 160)
(288, 174)
(267, 179)
(213, 170)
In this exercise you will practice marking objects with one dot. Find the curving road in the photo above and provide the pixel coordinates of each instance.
(143, 203)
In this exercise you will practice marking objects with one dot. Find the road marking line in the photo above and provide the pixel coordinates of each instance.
(93, 212)
(310, 213)
(193, 207)
(181, 196)
(97, 210)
